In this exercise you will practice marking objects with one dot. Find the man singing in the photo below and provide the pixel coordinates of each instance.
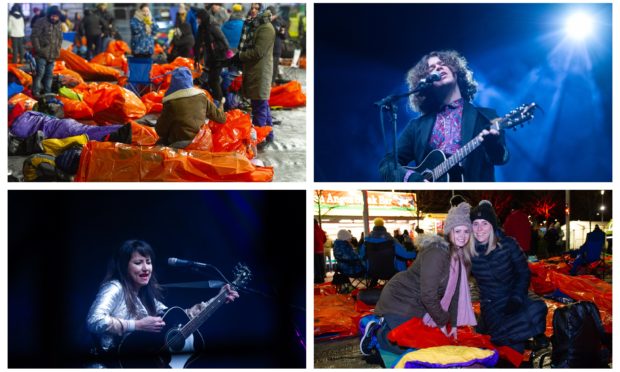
(448, 121)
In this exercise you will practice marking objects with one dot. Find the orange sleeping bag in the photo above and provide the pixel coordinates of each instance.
(287, 95)
(24, 78)
(116, 162)
(111, 60)
(112, 104)
(118, 48)
(89, 71)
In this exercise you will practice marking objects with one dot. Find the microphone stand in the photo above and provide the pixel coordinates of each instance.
(388, 104)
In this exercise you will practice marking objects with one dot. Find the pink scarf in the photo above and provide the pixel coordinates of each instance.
(465, 311)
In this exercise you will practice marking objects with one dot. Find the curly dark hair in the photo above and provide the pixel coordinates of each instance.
(426, 103)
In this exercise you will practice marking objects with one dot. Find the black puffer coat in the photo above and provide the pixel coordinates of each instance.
(508, 313)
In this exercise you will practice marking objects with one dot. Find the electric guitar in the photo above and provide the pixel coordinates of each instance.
(174, 345)
(436, 165)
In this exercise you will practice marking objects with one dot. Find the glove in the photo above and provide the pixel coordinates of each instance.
(235, 60)
(513, 305)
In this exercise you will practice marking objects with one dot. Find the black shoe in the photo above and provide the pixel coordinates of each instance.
(366, 344)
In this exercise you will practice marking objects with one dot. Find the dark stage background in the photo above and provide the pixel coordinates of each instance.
(59, 243)
(519, 53)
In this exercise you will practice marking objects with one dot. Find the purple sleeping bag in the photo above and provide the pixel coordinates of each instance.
(31, 121)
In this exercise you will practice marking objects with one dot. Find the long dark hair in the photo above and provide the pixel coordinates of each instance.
(117, 269)
(426, 103)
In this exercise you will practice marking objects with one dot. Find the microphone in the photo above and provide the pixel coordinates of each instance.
(177, 262)
(435, 76)
(425, 83)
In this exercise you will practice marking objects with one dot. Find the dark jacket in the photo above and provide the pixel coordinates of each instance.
(47, 39)
(413, 145)
(92, 25)
(216, 44)
(508, 312)
(380, 235)
(349, 262)
(183, 43)
(183, 114)
(593, 246)
(258, 63)
(211, 44)
(108, 20)
(280, 27)
(419, 289)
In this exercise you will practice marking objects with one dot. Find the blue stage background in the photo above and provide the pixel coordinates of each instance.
(59, 243)
(519, 53)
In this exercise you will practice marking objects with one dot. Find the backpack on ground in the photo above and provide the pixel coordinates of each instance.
(578, 337)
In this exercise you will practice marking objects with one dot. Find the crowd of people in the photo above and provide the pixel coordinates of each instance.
(429, 287)
(246, 38)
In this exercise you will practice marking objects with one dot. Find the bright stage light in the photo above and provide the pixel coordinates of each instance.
(579, 26)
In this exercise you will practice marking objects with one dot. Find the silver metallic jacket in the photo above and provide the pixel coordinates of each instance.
(108, 318)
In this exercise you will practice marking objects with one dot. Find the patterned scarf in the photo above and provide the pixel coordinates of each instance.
(465, 312)
(249, 29)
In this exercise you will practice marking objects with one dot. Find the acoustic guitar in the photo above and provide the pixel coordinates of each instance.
(175, 344)
(436, 166)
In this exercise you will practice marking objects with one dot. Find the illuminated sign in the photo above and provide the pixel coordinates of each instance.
(351, 203)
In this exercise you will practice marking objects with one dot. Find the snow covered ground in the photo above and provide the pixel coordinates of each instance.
(287, 154)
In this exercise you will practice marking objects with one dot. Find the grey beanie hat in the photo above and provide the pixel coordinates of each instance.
(344, 235)
(458, 216)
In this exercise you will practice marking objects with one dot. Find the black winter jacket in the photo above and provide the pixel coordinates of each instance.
(508, 313)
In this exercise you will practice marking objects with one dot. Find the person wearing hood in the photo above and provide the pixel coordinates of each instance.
(434, 290)
(92, 27)
(508, 313)
(232, 28)
(36, 14)
(379, 236)
(16, 32)
(142, 31)
(218, 13)
(349, 262)
(46, 42)
(256, 58)
(185, 110)
(108, 30)
(183, 40)
(211, 44)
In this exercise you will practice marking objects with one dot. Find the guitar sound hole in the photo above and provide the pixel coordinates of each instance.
(175, 340)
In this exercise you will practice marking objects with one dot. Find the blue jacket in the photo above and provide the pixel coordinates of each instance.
(349, 262)
(232, 30)
(380, 235)
(141, 42)
(591, 249)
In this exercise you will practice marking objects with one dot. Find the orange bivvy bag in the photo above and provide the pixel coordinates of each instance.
(117, 162)
(287, 95)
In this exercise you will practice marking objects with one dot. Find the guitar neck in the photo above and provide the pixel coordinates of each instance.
(193, 325)
(456, 158)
